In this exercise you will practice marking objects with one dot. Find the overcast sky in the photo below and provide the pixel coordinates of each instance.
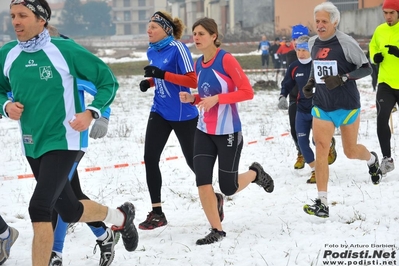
(4, 5)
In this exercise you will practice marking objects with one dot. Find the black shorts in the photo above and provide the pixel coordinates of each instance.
(227, 148)
(51, 172)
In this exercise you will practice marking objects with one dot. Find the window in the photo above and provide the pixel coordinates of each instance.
(142, 2)
(142, 28)
(142, 15)
(127, 16)
(127, 29)
(346, 5)
(126, 3)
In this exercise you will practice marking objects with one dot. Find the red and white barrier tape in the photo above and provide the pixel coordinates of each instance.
(265, 70)
(124, 165)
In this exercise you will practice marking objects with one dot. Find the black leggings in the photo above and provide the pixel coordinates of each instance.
(265, 60)
(292, 115)
(3, 225)
(385, 100)
(157, 134)
(227, 148)
(51, 172)
(75, 184)
(374, 76)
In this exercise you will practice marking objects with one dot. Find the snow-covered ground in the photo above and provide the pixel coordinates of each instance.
(262, 229)
(107, 56)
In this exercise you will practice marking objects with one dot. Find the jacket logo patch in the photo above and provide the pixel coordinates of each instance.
(45, 72)
(206, 89)
(27, 139)
(322, 53)
(31, 63)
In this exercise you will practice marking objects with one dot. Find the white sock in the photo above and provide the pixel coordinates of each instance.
(323, 197)
(103, 236)
(371, 160)
(115, 217)
(59, 254)
(5, 234)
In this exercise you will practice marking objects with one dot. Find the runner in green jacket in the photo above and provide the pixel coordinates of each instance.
(41, 73)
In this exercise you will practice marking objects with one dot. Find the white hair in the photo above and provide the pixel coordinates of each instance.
(330, 8)
(302, 39)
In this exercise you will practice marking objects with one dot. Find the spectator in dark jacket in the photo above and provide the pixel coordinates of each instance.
(272, 50)
(291, 56)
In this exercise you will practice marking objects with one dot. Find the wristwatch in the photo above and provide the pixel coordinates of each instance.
(94, 114)
(344, 78)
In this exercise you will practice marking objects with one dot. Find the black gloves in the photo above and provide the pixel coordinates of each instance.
(308, 88)
(152, 71)
(393, 50)
(144, 85)
(378, 58)
(333, 81)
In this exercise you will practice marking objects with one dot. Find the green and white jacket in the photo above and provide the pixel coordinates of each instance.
(45, 83)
